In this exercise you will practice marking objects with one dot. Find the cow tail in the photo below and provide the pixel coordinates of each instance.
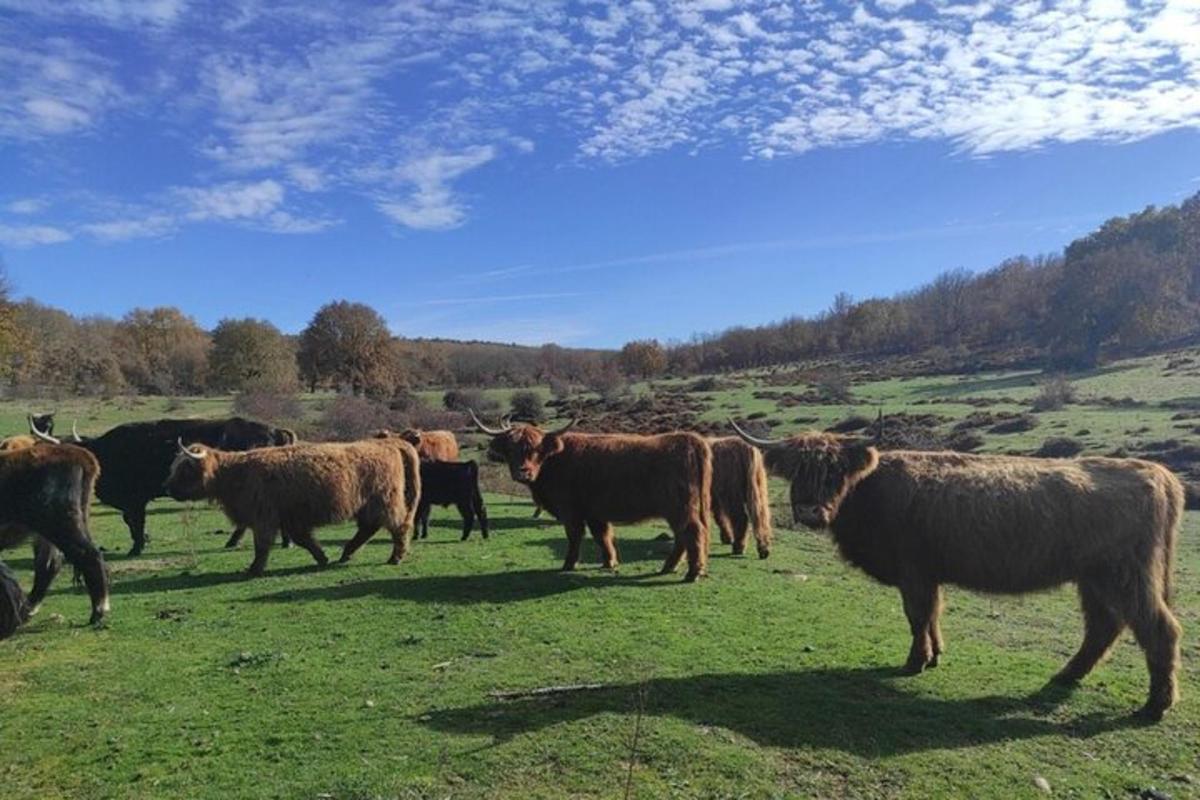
(412, 484)
(758, 501)
(1175, 505)
(706, 482)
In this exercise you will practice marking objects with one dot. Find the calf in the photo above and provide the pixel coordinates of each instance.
(445, 483)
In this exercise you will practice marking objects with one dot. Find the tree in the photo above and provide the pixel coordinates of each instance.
(644, 359)
(348, 345)
(162, 351)
(251, 355)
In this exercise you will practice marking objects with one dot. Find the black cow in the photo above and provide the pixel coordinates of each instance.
(46, 492)
(135, 458)
(445, 483)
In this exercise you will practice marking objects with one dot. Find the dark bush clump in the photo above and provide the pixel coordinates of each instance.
(526, 406)
(1059, 447)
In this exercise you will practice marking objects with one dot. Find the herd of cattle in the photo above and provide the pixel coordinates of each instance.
(910, 519)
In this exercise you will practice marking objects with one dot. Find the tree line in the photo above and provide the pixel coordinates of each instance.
(1131, 286)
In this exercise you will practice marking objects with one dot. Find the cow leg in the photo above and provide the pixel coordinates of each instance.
(468, 518)
(725, 526)
(263, 539)
(47, 561)
(935, 626)
(480, 512)
(401, 533)
(574, 540)
(422, 520)
(602, 532)
(285, 541)
(308, 540)
(1157, 632)
(366, 529)
(920, 600)
(235, 538)
(694, 537)
(740, 522)
(678, 547)
(82, 553)
(1101, 627)
(135, 518)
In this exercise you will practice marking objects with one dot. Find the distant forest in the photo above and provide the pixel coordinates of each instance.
(1131, 286)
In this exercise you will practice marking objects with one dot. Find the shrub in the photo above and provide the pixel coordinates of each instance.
(833, 385)
(1059, 447)
(273, 407)
(559, 389)
(348, 418)
(1017, 424)
(1054, 394)
(526, 406)
(851, 424)
(465, 399)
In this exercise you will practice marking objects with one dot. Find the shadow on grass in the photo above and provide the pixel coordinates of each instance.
(864, 712)
(201, 580)
(500, 587)
(631, 550)
(1020, 380)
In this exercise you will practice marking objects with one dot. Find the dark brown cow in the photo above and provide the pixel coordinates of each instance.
(739, 494)
(594, 480)
(297, 488)
(431, 445)
(46, 491)
(1008, 524)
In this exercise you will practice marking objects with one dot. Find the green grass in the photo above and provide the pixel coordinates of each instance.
(770, 679)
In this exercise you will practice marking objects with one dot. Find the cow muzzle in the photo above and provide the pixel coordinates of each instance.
(815, 517)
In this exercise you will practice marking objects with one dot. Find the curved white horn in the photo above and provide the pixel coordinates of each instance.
(42, 437)
(754, 440)
(75, 437)
(485, 428)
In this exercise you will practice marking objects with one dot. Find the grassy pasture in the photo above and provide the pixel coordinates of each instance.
(770, 679)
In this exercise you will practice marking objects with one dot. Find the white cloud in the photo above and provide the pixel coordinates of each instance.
(430, 203)
(117, 13)
(233, 200)
(27, 205)
(53, 87)
(120, 230)
(30, 235)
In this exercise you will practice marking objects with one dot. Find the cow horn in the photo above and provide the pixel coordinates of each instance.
(566, 427)
(187, 451)
(75, 437)
(44, 437)
(479, 424)
(754, 440)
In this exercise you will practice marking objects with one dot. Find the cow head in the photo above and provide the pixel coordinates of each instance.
(410, 435)
(822, 468)
(191, 472)
(282, 437)
(525, 448)
(38, 433)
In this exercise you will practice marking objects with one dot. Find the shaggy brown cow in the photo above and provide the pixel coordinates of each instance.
(916, 520)
(46, 491)
(739, 494)
(18, 442)
(594, 480)
(431, 445)
(297, 488)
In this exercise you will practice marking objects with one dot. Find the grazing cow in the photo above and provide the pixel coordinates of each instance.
(917, 520)
(739, 494)
(445, 483)
(594, 480)
(46, 492)
(431, 445)
(136, 457)
(298, 488)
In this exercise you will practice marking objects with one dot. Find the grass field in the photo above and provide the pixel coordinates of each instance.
(774, 678)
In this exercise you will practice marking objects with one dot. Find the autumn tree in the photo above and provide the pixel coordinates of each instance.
(250, 355)
(644, 359)
(162, 351)
(348, 345)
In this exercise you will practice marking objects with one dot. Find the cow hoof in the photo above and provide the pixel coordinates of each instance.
(1067, 679)
(1151, 712)
(762, 554)
(912, 668)
(97, 620)
(135, 551)
(394, 560)
(692, 577)
(253, 573)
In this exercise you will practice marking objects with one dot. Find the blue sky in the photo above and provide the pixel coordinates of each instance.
(584, 173)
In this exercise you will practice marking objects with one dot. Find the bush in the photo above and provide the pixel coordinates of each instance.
(467, 399)
(272, 407)
(526, 406)
(609, 384)
(348, 418)
(1055, 393)
(1017, 424)
(851, 424)
(833, 385)
(1059, 447)
(559, 389)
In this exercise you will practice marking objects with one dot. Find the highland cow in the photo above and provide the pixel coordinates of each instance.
(296, 489)
(431, 445)
(1006, 524)
(740, 499)
(594, 480)
(46, 492)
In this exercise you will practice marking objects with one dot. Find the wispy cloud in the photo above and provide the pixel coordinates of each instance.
(30, 235)
(430, 203)
(27, 205)
(498, 298)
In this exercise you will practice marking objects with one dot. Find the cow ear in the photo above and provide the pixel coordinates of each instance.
(552, 443)
(861, 461)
